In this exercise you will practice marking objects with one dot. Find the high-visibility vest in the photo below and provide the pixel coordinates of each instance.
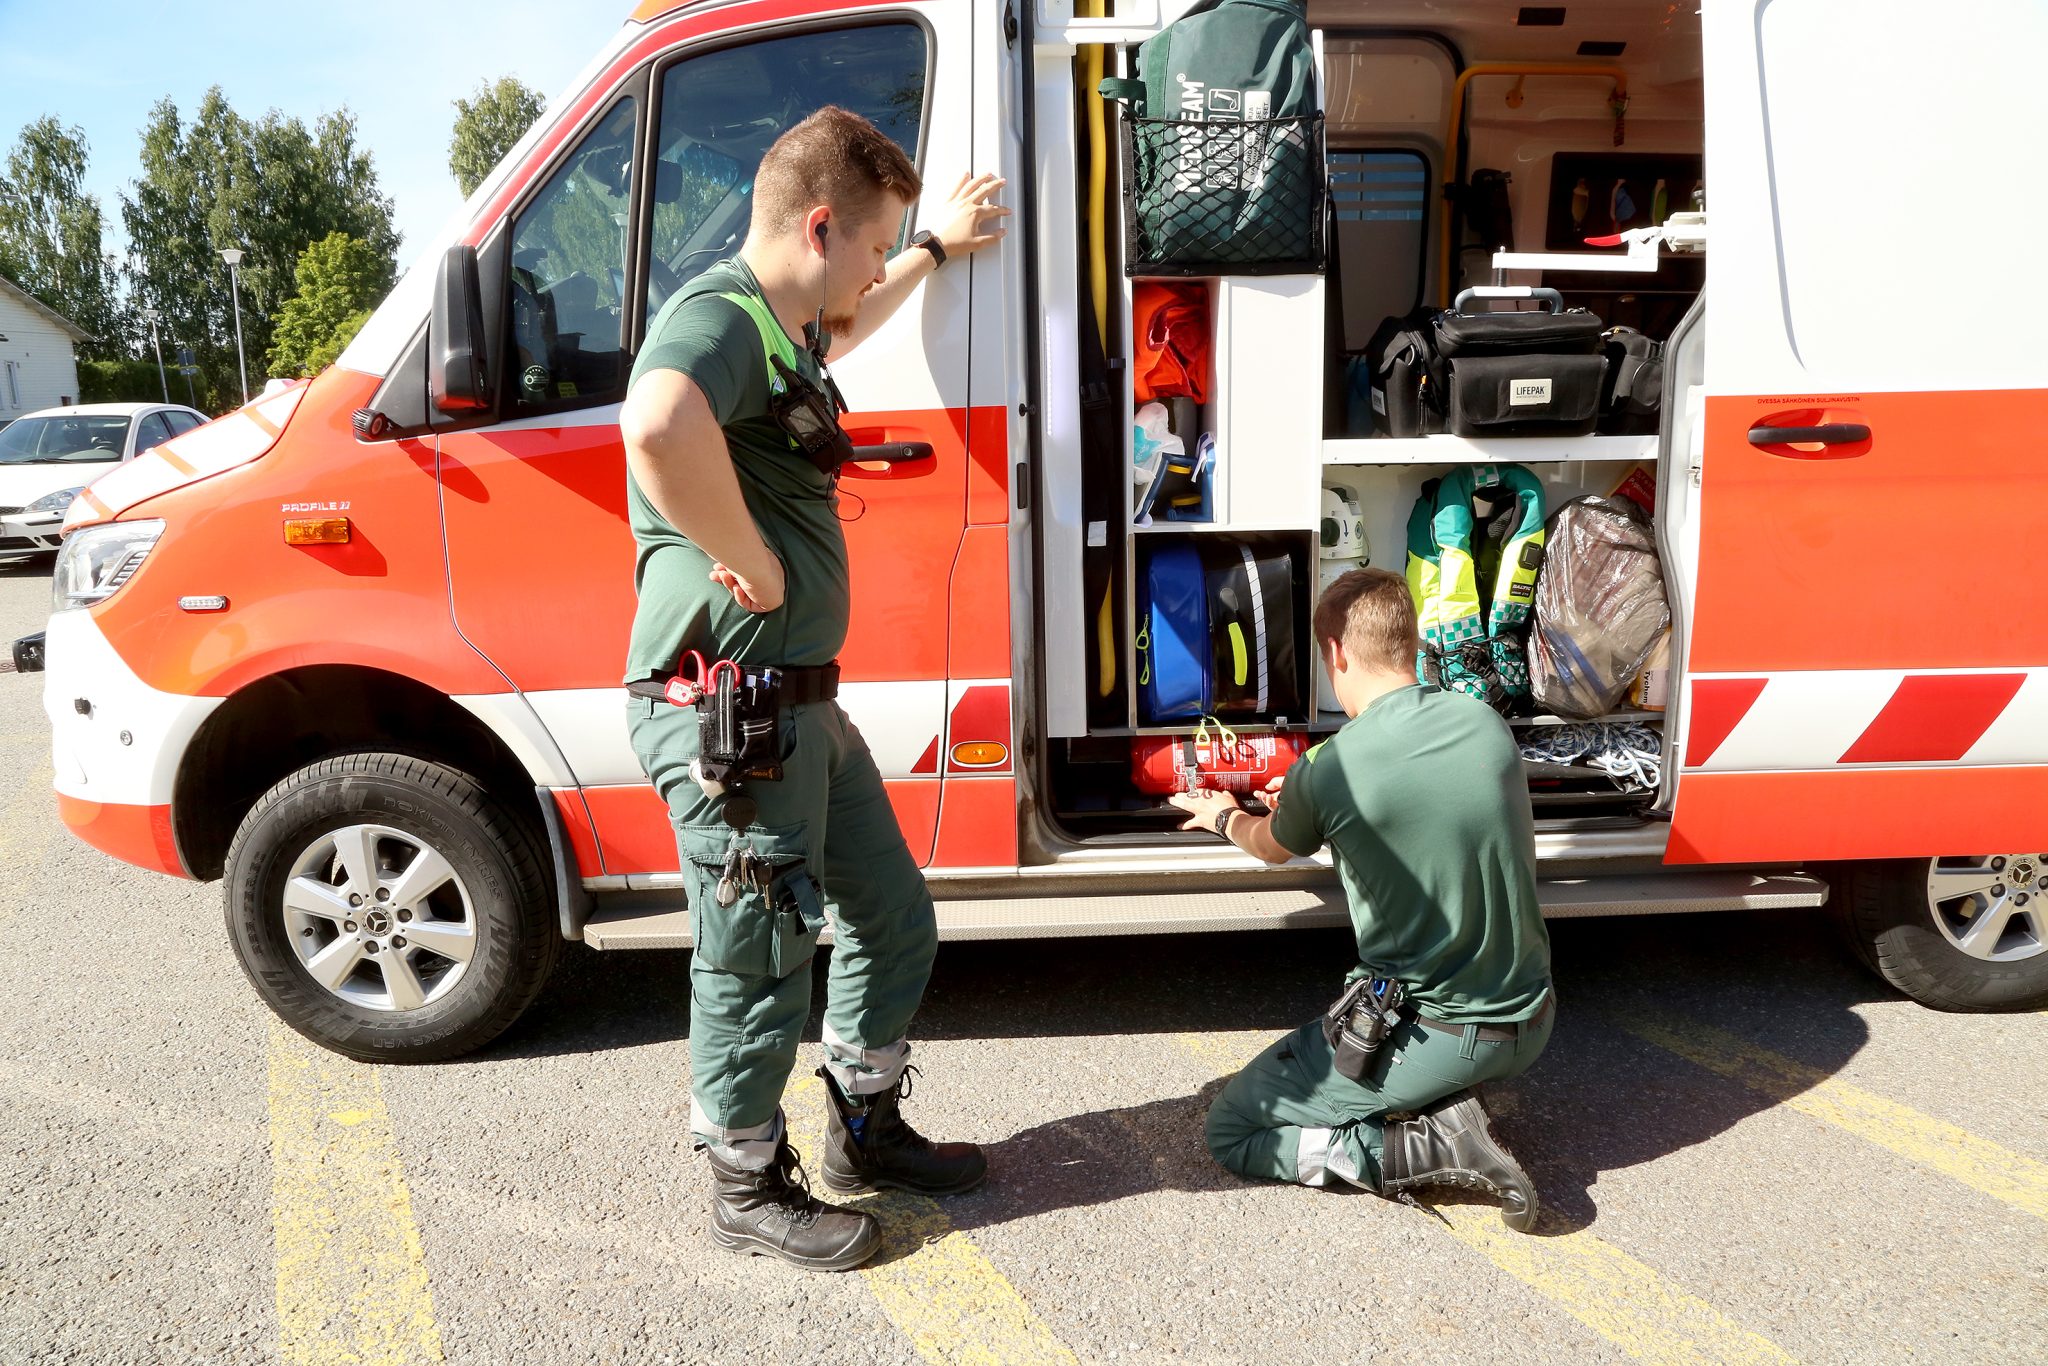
(1470, 642)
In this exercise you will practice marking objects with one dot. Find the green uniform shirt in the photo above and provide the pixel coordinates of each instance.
(720, 347)
(1422, 801)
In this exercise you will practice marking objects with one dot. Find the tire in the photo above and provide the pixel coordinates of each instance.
(1910, 922)
(483, 934)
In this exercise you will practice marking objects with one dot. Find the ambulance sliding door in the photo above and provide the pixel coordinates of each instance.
(1867, 675)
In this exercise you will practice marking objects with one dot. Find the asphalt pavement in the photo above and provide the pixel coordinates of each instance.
(1749, 1149)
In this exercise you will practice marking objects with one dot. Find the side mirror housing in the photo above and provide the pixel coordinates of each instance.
(458, 370)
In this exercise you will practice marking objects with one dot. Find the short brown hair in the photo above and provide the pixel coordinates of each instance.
(1370, 613)
(834, 157)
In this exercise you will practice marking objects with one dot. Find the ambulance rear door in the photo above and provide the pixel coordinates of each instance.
(1867, 673)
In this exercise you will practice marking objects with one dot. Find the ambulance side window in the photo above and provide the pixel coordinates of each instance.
(1381, 203)
(568, 276)
(721, 110)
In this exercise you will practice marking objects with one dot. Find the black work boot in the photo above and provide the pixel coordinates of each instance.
(888, 1152)
(771, 1212)
(1452, 1144)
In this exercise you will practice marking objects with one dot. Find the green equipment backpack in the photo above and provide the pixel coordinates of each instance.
(1225, 143)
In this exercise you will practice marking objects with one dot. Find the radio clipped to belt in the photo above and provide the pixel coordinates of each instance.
(1357, 1024)
(737, 709)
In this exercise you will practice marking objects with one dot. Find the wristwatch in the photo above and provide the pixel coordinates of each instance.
(927, 239)
(1223, 822)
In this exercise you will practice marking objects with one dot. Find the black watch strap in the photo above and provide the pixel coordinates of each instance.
(1223, 823)
(930, 242)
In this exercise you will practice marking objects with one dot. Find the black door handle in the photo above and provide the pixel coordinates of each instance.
(1827, 434)
(891, 453)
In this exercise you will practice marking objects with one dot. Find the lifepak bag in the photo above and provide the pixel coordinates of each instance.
(1215, 634)
(1223, 144)
(1474, 580)
(1520, 374)
(1214, 757)
(1632, 396)
(1600, 606)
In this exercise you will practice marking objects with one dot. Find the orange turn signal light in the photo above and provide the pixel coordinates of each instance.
(316, 531)
(980, 754)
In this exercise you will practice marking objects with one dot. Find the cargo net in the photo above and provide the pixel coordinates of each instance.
(1223, 197)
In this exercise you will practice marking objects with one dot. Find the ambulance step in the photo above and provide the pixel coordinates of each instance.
(637, 924)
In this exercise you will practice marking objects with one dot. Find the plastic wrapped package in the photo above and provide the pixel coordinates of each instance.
(1600, 607)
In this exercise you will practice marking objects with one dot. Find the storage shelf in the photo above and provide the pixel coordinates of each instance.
(1163, 528)
(1616, 718)
(1466, 450)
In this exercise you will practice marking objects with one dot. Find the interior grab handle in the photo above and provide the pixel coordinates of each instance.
(1826, 434)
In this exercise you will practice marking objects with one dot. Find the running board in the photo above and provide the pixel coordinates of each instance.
(656, 921)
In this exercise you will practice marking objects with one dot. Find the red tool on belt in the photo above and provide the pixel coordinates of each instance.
(696, 680)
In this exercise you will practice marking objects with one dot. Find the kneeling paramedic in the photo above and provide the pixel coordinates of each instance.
(1422, 801)
(733, 446)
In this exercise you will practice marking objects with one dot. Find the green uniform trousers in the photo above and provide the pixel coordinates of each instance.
(828, 832)
(1289, 1116)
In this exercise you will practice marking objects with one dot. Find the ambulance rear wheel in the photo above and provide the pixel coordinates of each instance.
(1963, 933)
(388, 909)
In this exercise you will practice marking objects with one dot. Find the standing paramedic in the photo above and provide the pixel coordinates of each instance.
(1422, 801)
(741, 557)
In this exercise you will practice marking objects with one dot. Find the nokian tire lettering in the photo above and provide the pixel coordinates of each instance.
(494, 855)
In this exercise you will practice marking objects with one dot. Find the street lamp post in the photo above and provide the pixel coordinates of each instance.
(151, 315)
(233, 256)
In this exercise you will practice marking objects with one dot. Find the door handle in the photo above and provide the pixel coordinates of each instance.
(891, 453)
(1826, 434)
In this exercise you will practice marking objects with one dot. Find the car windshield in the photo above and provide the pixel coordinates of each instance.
(71, 440)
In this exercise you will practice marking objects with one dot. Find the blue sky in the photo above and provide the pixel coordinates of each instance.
(101, 64)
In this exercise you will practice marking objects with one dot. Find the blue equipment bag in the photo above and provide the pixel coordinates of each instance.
(1173, 636)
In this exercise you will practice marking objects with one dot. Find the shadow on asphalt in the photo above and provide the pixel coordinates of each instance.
(1600, 1099)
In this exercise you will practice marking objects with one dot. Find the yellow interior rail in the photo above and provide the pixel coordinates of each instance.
(1454, 172)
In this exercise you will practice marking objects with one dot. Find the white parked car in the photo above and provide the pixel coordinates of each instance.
(47, 457)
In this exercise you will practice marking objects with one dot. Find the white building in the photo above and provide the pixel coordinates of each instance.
(38, 367)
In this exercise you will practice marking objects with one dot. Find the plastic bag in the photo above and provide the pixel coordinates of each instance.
(1600, 607)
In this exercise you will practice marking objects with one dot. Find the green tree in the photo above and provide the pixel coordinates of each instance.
(486, 128)
(50, 236)
(271, 187)
(340, 280)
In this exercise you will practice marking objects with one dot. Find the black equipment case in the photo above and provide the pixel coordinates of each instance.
(1521, 373)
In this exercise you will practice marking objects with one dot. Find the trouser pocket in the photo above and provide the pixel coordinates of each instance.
(755, 907)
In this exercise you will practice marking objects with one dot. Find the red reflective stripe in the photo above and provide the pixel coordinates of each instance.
(1718, 705)
(1934, 717)
(928, 762)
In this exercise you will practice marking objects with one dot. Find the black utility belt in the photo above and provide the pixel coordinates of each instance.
(801, 684)
(1490, 1033)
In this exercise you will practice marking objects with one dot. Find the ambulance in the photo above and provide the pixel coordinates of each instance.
(355, 649)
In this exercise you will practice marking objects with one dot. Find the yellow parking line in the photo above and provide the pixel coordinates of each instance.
(938, 1288)
(28, 822)
(1623, 1300)
(2021, 1182)
(351, 1275)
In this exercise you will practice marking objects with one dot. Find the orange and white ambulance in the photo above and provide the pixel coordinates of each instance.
(417, 566)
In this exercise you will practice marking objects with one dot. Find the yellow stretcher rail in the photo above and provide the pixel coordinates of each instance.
(1453, 172)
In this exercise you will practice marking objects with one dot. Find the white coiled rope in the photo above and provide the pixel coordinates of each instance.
(1632, 755)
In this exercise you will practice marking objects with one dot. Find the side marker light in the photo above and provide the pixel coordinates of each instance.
(980, 754)
(316, 531)
(203, 603)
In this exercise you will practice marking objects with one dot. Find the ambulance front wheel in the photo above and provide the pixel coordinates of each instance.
(388, 909)
(1963, 933)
